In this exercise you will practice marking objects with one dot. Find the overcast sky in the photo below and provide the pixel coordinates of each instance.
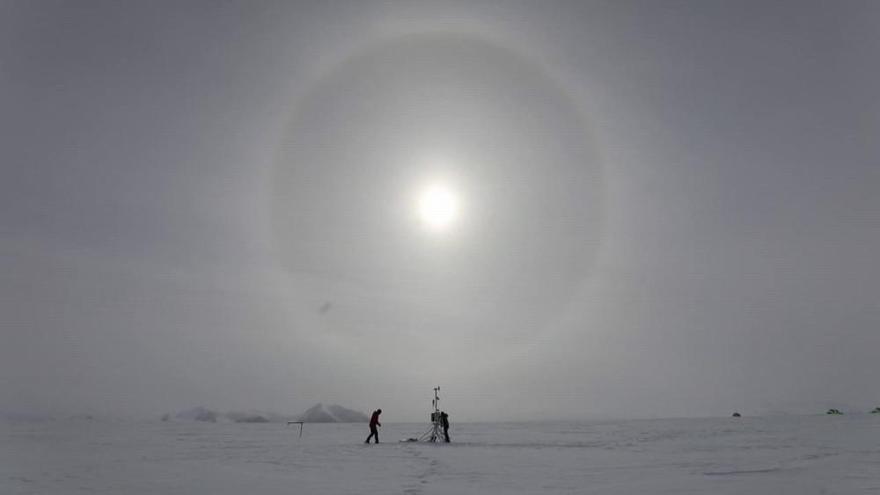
(663, 208)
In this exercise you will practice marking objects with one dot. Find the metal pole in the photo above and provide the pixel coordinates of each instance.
(300, 423)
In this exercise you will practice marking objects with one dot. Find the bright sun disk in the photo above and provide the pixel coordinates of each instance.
(438, 207)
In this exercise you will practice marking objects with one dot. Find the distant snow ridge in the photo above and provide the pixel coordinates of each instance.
(252, 417)
(332, 414)
(198, 414)
(24, 417)
(316, 414)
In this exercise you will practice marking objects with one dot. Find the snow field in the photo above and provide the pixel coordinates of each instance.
(774, 455)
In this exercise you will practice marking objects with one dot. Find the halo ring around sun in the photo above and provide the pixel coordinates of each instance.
(512, 239)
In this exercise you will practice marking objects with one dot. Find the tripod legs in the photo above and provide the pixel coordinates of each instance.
(432, 434)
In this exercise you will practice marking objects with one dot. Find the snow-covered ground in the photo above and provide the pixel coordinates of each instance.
(773, 455)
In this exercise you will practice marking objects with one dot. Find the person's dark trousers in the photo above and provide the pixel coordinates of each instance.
(374, 432)
(446, 434)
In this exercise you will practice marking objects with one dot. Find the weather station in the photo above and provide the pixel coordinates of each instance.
(435, 430)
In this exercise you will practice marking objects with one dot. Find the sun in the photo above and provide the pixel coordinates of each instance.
(438, 207)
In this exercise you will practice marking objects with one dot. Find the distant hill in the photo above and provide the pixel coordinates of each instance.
(198, 414)
(332, 414)
(24, 417)
(207, 415)
(254, 417)
(319, 413)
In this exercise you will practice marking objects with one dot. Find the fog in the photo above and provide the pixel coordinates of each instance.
(663, 208)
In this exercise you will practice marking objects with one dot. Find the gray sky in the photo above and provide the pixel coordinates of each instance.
(664, 208)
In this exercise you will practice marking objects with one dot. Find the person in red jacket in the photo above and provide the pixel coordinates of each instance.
(374, 423)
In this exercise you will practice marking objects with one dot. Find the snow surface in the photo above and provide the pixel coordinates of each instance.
(772, 455)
